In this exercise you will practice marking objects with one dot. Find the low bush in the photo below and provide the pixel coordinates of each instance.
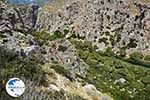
(62, 48)
(147, 58)
(6, 55)
(43, 37)
(63, 71)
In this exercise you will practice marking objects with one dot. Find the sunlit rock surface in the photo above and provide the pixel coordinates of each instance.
(117, 24)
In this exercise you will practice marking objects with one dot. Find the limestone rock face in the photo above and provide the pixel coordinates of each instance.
(95, 94)
(20, 18)
(16, 23)
(62, 52)
(118, 24)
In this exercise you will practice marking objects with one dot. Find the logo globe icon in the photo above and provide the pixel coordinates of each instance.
(15, 87)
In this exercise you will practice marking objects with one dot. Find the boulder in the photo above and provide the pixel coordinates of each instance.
(92, 91)
(53, 87)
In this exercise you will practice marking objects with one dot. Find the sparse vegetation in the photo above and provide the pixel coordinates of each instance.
(43, 37)
(6, 55)
(61, 70)
(105, 69)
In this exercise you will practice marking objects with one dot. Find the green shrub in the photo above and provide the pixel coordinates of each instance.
(136, 55)
(132, 43)
(147, 58)
(62, 48)
(28, 69)
(146, 79)
(83, 54)
(85, 45)
(6, 55)
(109, 52)
(43, 37)
(66, 31)
(63, 71)
(57, 35)
(91, 62)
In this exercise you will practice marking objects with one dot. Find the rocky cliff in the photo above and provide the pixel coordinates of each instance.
(106, 23)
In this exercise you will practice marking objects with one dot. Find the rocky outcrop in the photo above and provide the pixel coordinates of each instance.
(21, 18)
(17, 23)
(117, 24)
(95, 94)
(62, 52)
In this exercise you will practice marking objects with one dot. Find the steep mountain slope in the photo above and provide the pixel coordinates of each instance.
(28, 55)
(118, 24)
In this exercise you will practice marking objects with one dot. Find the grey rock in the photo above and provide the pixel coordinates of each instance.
(91, 90)
(95, 18)
(121, 80)
(69, 58)
(20, 18)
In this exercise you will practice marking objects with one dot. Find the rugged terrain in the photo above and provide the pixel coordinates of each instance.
(77, 49)
(117, 24)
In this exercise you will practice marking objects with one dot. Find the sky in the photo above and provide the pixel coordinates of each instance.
(39, 2)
